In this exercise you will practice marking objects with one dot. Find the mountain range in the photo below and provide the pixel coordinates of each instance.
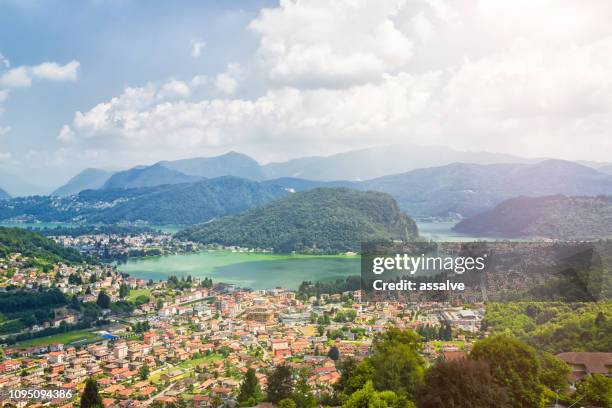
(186, 203)
(4, 195)
(462, 189)
(456, 190)
(85, 180)
(323, 220)
(558, 217)
(16, 186)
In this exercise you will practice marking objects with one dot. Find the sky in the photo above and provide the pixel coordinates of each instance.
(117, 83)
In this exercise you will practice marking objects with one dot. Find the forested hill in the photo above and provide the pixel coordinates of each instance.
(185, 203)
(557, 217)
(327, 220)
(35, 245)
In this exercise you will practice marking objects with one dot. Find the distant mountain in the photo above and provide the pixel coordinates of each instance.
(16, 186)
(467, 189)
(296, 184)
(557, 217)
(4, 195)
(191, 203)
(149, 176)
(229, 164)
(381, 161)
(186, 203)
(606, 169)
(328, 220)
(87, 179)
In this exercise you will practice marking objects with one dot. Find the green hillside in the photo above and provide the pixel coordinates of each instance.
(35, 245)
(327, 220)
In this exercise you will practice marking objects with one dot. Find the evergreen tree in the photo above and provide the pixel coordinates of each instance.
(250, 392)
(144, 372)
(124, 290)
(74, 303)
(90, 397)
(280, 384)
(103, 300)
(333, 353)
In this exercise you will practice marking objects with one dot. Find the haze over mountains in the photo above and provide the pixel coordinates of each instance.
(4, 195)
(85, 180)
(557, 217)
(467, 189)
(358, 165)
(200, 189)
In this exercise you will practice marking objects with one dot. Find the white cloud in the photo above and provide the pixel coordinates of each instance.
(54, 72)
(199, 81)
(66, 134)
(226, 84)
(16, 78)
(323, 43)
(358, 73)
(4, 62)
(22, 76)
(175, 89)
(197, 47)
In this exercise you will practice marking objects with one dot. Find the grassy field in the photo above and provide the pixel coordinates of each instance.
(439, 344)
(187, 365)
(64, 338)
(134, 293)
(197, 361)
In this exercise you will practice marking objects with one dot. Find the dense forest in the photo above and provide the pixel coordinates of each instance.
(324, 220)
(554, 326)
(35, 245)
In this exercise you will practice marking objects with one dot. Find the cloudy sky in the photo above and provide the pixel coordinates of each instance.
(115, 83)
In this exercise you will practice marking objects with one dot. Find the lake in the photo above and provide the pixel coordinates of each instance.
(264, 271)
(257, 271)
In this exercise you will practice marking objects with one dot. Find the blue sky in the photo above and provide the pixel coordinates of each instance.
(116, 83)
(116, 43)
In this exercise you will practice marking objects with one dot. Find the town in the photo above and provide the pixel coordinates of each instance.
(192, 341)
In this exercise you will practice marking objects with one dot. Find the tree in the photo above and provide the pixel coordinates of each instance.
(369, 397)
(333, 353)
(597, 390)
(555, 373)
(74, 303)
(286, 403)
(90, 397)
(302, 393)
(124, 290)
(514, 366)
(353, 377)
(280, 384)
(144, 372)
(396, 362)
(250, 392)
(103, 300)
(461, 384)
